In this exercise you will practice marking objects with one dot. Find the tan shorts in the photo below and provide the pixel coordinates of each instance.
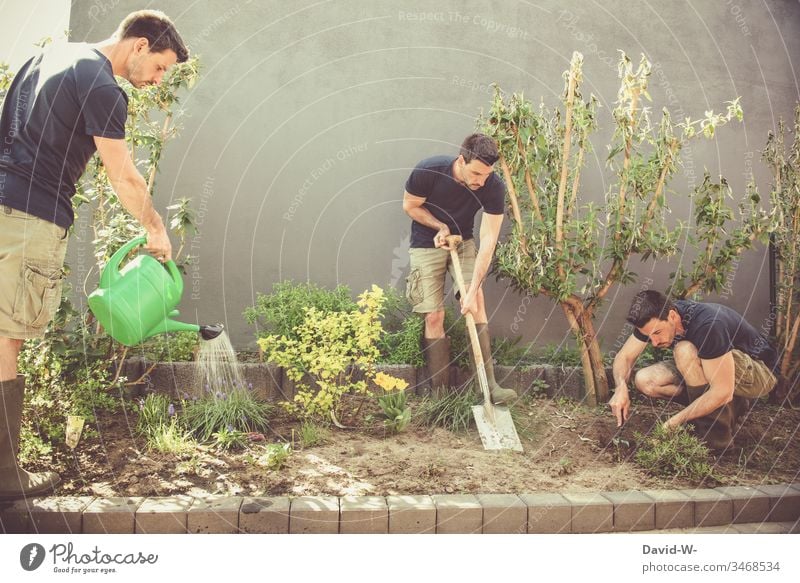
(31, 272)
(425, 281)
(752, 378)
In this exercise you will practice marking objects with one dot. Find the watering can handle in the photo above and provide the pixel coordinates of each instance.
(111, 272)
(176, 275)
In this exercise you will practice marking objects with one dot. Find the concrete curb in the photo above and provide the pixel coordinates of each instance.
(762, 509)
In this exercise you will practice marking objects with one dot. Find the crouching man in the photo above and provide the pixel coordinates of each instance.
(720, 361)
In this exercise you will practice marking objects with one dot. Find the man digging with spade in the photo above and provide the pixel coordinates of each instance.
(442, 196)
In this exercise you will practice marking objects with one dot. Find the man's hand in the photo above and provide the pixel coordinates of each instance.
(159, 245)
(620, 404)
(469, 303)
(440, 239)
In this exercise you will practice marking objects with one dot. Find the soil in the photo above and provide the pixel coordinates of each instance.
(568, 447)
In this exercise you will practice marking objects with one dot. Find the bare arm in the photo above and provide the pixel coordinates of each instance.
(624, 360)
(131, 189)
(412, 205)
(720, 373)
(490, 232)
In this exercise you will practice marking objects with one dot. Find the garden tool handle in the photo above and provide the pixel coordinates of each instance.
(452, 242)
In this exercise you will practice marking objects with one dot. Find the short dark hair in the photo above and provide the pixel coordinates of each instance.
(480, 147)
(647, 305)
(157, 28)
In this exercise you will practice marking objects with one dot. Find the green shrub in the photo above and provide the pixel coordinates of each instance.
(330, 354)
(172, 347)
(452, 412)
(236, 410)
(62, 382)
(672, 453)
(283, 310)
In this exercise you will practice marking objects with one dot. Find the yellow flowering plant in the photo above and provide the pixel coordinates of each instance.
(331, 355)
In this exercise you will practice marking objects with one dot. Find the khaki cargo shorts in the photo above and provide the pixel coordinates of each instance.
(425, 281)
(752, 378)
(31, 272)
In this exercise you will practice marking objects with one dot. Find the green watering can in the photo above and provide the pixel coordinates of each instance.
(139, 300)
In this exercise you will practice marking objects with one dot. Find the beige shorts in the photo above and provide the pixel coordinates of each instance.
(425, 281)
(753, 379)
(31, 271)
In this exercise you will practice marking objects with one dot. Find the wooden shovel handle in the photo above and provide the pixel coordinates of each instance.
(453, 241)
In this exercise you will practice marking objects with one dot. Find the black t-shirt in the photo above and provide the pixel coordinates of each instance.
(716, 330)
(449, 201)
(58, 101)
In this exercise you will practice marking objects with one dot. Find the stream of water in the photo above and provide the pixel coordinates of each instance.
(217, 371)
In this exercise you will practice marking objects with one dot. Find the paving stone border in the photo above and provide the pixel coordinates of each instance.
(767, 509)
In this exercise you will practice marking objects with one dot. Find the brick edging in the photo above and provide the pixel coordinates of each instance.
(543, 513)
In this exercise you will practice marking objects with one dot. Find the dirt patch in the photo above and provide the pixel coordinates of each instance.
(567, 448)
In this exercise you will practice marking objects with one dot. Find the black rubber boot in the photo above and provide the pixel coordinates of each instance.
(14, 481)
(437, 360)
(500, 396)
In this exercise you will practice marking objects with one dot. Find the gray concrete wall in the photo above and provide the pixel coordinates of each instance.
(310, 114)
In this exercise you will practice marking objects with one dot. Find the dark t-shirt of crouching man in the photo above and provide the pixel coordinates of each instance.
(449, 201)
(715, 330)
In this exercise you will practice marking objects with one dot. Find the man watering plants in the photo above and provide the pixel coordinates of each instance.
(720, 363)
(442, 196)
(63, 105)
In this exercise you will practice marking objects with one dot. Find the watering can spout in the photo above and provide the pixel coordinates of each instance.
(211, 331)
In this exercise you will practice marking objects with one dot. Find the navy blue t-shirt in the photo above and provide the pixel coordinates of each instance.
(450, 201)
(716, 330)
(59, 100)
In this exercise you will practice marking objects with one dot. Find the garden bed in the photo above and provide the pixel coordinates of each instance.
(568, 447)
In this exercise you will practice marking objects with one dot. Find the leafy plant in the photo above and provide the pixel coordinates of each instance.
(329, 355)
(557, 245)
(283, 311)
(155, 411)
(783, 160)
(236, 410)
(229, 438)
(274, 456)
(171, 437)
(672, 453)
(59, 385)
(312, 434)
(172, 347)
(452, 412)
(396, 410)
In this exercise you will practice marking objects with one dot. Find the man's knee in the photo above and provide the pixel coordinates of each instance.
(645, 383)
(685, 355)
(434, 321)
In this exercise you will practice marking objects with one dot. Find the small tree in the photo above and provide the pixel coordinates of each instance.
(556, 248)
(785, 197)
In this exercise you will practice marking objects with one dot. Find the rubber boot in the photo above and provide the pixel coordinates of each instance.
(716, 428)
(500, 396)
(437, 360)
(14, 481)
